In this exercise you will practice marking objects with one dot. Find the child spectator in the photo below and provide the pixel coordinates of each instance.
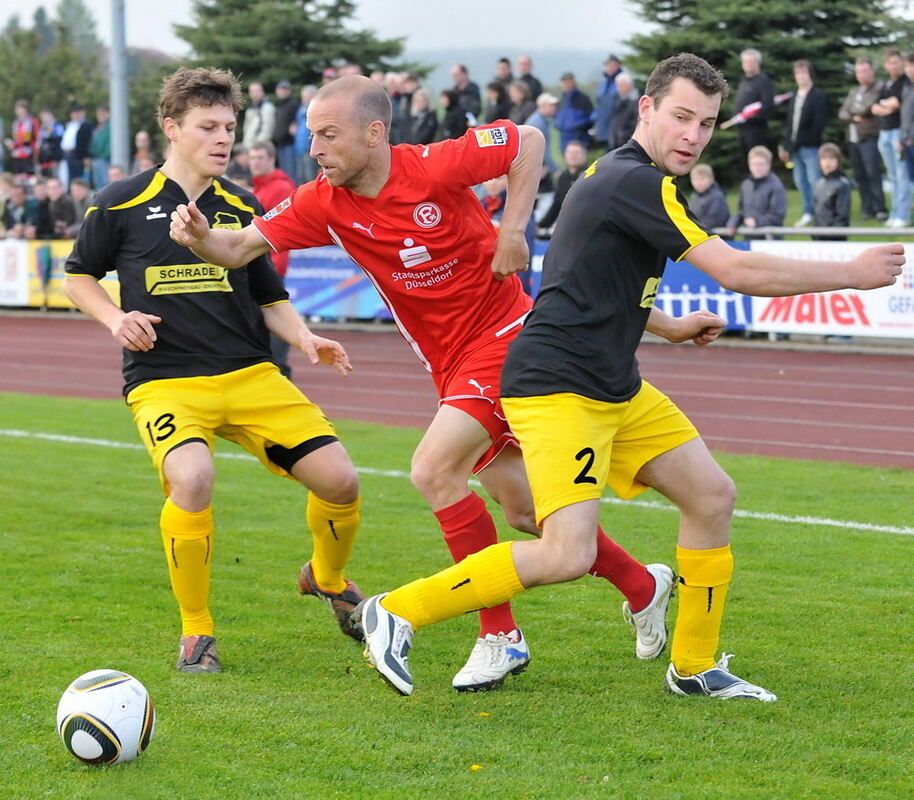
(762, 199)
(708, 203)
(832, 193)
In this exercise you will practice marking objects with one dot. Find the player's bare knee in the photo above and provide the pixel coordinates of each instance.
(342, 489)
(191, 484)
(521, 519)
(568, 562)
(430, 479)
(721, 501)
(715, 505)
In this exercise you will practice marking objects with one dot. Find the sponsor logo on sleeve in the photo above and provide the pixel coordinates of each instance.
(492, 137)
(277, 209)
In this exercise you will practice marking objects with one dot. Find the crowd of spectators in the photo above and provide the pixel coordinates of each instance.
(51, 169)
(54, 166)
(878, 116)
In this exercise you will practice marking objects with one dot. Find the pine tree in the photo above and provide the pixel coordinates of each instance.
(44, 30)
(52, 79)
(78, 20)
(830, 35)
(273, 40)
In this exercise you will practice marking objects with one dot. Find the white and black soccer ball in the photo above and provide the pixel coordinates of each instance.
(106, 717)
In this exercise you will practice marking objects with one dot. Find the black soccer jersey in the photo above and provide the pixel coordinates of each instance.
(618, 225)
(211, 317)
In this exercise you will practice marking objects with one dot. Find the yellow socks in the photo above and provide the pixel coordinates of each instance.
(188, 540)
(704, 576)
(481, 580)
(333, 530)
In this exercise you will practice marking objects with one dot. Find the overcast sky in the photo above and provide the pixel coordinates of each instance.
(585, 24)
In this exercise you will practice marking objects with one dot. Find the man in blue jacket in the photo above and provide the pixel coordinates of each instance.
(572, 120)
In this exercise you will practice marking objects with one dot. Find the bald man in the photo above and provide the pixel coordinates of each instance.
(407, 216)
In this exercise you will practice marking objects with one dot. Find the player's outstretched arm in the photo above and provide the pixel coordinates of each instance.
(284, 321)
(227, 248)
(511, 251)
(133, 329)
(702, 327)
(766, 275)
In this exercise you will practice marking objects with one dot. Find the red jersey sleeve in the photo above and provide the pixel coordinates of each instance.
(480, 154)
(298, 221)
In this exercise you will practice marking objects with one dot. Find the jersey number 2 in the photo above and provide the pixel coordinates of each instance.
(586, 455)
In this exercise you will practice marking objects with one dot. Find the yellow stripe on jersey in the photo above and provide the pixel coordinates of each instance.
(89, 210)
(231, 199)
(155, 186)
(677, 214)
(590, 170)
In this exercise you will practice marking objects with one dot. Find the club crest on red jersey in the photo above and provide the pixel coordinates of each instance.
(427, 215)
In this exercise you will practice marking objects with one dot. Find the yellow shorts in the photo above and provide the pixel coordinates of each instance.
(255, 407)
(574, 446)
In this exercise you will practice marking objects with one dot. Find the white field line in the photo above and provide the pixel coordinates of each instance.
(392, 473)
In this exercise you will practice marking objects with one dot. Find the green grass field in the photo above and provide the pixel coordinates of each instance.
(821, 614)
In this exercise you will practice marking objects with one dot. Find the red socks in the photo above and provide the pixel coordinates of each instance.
(468, 528)
(629, 576)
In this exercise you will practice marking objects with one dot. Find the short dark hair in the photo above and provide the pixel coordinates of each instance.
(501, 94)
(864, 60)
(689, 66)
(891, 52)
(202, 86)
(452, 96)
(909, 56)
(265, 146)
(805, 63)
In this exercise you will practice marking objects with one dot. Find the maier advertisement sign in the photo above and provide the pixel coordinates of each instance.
(888, 311)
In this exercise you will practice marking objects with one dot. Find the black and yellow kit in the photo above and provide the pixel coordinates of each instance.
(211, 318)
(617, 227)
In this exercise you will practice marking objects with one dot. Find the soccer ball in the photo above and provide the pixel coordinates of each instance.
(105, 717)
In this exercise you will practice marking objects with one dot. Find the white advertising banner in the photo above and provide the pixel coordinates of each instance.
(888, 311)
(14, 273)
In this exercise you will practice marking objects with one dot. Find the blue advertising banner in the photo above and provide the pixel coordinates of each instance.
(323, 282)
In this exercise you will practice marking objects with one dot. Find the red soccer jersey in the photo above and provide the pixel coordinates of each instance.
(424, 241)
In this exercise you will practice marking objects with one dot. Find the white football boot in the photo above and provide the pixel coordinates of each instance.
(493, 658)
(650, 622)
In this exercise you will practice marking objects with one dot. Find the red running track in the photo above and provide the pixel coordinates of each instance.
(832, 406)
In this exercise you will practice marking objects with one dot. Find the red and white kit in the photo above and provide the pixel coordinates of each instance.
(427, 245)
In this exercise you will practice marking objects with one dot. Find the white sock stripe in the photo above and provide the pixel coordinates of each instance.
(652, 505)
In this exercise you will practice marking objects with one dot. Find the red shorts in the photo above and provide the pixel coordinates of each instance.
(473, 385)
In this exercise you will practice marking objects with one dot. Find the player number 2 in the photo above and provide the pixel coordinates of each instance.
(163, 426)
(586, 455)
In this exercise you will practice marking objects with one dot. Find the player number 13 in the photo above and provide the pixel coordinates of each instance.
(161, 429)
